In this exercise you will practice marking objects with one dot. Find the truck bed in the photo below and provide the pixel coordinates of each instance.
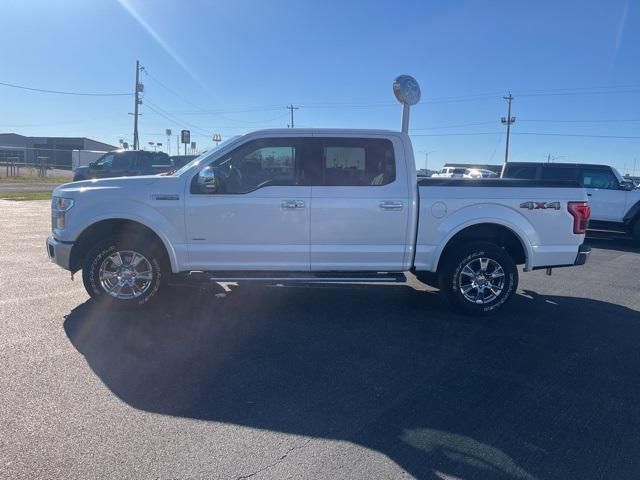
(496, 182)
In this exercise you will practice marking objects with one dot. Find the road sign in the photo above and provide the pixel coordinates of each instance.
(186, 136)
(193, 145)
(168, 132)
(217, 137)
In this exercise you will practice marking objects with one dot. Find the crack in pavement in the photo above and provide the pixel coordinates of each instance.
(267, 467)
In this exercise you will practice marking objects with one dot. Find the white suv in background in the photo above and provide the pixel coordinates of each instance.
(451, 172)
(614, 201)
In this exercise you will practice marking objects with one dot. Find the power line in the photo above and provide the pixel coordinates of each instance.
(59, 92)
(627, 120)
(559, 94)
(160, 111)
(578, 135)
(454, 126)
(582, 135)
(170, 90)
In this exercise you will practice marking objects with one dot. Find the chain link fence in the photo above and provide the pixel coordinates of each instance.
(43, 162)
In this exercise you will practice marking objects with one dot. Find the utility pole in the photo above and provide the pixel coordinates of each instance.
(135, 111)
(292, 108)
(426, 158)
(508, 121)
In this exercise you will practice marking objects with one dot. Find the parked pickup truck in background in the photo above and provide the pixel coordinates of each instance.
(614, 201)
(125, 163)
(315, 205)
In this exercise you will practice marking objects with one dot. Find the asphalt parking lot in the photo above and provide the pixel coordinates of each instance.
(322, 381)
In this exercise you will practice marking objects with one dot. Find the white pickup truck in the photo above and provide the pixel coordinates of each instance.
(315, 205)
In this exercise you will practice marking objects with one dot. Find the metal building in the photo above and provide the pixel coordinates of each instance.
(53, 152)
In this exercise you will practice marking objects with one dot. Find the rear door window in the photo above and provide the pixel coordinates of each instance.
(121, 162)
(524, 172)
(559, 173)
(355, 162)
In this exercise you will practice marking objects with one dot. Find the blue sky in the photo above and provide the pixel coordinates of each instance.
(233, 66)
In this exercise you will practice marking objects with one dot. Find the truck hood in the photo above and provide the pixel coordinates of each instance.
(102, 184)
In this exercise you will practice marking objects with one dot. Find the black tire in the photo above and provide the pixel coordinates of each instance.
(429, 278)
(98, 264)
(467, 257)
(635, 230)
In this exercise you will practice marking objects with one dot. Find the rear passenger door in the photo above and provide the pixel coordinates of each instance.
(359, 205)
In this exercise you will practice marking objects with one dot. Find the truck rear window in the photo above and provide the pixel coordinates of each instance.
(357, 162)
(524, 172)
(559, 173)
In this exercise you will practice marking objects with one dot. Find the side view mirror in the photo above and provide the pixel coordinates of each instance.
(207, 181)
(92, 164)
(626, 185)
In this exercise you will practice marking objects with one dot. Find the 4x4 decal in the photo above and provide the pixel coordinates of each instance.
(540, 205)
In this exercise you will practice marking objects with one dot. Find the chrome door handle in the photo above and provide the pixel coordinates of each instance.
(292, 204)
(391, 205)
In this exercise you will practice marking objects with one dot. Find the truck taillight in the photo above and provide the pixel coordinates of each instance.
(581, 211)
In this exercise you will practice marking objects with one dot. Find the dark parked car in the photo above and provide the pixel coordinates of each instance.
(180, 161)
(125, 164)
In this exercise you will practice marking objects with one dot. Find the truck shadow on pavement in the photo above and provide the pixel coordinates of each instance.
(547, 389)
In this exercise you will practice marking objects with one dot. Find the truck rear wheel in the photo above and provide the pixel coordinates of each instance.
(479, 278)
(125, 272)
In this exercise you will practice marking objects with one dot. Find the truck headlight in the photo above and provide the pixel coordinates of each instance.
(61, 204)
(59, 207)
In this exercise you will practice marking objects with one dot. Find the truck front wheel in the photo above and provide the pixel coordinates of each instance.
(635, 230)
(125, 272)
(479, 278)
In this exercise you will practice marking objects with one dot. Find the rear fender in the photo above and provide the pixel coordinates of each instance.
(487, 214)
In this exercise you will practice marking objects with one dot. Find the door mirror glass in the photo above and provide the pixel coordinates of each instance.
(624, 185)
(207, 180)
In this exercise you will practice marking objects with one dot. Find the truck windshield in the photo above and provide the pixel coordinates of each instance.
(196, 161)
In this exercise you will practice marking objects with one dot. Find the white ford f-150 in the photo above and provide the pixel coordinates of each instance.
(315, 205)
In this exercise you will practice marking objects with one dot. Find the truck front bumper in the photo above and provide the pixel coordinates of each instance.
(59, 252)
(583, 254)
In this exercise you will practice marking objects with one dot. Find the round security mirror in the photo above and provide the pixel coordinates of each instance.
(406, 90)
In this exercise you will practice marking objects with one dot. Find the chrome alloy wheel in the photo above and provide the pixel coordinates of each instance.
(125, 274)
(481, 280)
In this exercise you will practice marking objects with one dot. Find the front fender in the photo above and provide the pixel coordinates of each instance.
(124, 210)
